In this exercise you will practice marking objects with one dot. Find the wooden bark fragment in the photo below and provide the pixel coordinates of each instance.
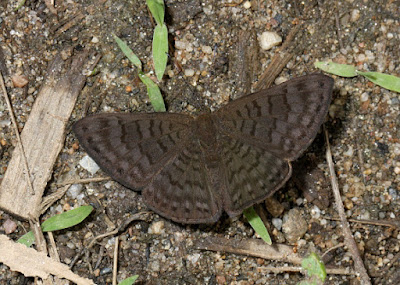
(42, 138)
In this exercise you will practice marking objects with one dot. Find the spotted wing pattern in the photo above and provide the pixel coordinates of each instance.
(190, 169)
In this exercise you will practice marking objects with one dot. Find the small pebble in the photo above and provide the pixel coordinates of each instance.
(9, 226)
(247, 5)
(277, 223)
(189, 72)
(269, 40)
(74, 190)
(355, 15)
(89, 164)
(156, 228)
(19, 80)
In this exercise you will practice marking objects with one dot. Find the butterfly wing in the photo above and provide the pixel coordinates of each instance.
(132, 148)
(155, 152)
(283, 119)
(262, 132)
(250, 173)
(184, 190)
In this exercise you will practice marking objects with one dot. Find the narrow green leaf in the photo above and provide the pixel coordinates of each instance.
(314, 266)
(344, 70)
(66, 219)
(257, 224)
(160, 50)
(59, 222)
(128, 52)
(129, 280)
(27, 239)
(154, 92)
(387, 81)
(157, 10)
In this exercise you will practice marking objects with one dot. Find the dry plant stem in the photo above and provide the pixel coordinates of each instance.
(82, 181)
(283, 269)
(15, 126)
(278, 62)
(138, 216)
(115, 262)
(392, 224)
(349, 240)
(50, 199)
(333, 248)
(53, 247)
(338, 29)
(390, 264)
(251, 247)
(41, 245)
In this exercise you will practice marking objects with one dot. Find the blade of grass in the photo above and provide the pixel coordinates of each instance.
(154, 93)
(257, 224)
(314, 266)
(157, 10)
(129, 280)
(344, 70)
(160, 50)
(59, 222)
(128, 52)
(387, 81)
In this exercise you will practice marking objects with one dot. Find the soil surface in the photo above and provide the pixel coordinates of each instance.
(209, 65)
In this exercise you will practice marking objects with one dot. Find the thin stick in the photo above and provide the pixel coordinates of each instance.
(282, 269)
(339, 32)
(349, 240)
(115, 263)
(15, 126)
(83, 181)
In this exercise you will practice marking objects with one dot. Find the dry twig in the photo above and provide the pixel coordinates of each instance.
(349, 240)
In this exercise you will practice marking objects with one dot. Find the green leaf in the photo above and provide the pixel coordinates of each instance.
(59, 222)
(314, 266)
(154, 92)
(344, 70)
(160, 50)
(387, 81)
(66, 219)
(27, 239)
(129, 280)
(157, 10)
(128, 52)
(257, 224)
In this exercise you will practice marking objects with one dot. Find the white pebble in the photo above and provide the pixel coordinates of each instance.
(89, 164)
(74, 190)
(95, 40)
(355, 15)
(247, 5)
(269, 40)
(206, 49)
(277, 223)
(180, 45)
(156, 228)
(364, 97)
(189, 72)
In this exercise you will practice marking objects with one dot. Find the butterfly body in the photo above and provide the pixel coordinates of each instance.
(190, 169)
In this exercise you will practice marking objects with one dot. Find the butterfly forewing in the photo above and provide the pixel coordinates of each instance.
(132, 148)
(283, 119)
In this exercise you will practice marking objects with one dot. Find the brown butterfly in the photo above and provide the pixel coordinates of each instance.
(190, 169)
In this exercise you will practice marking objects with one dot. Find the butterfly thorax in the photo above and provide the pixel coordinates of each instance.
(204, 132)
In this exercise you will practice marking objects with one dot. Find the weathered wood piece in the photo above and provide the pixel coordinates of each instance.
(42, 137)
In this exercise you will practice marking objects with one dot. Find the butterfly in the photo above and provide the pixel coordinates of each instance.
(192, 168)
